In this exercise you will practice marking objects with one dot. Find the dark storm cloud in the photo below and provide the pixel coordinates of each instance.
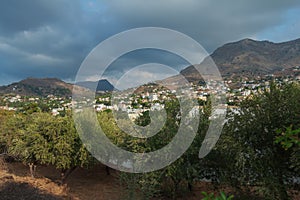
(51, 38)
(45, 38)
(18, 15)
(209, 22)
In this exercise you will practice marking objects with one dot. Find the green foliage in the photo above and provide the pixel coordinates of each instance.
(141, 186)
(173, 180)
(45, 139)
(30, 108)
(6, 129)
(259, 145)
(288, 138)
(248, 141)
(211, 196)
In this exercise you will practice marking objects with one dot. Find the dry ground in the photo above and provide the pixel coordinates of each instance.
(16, 183)
(92, 184)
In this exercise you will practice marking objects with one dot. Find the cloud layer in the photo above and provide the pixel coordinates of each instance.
(51, 38)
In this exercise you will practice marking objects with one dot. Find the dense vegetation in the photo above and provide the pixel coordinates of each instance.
(259, 150)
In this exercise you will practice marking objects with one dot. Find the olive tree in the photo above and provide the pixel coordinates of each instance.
(249, 141)
(45, 139)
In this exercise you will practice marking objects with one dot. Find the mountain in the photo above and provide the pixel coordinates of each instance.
(250, 58)
(43, 87)
(40, 87)
(102, 85)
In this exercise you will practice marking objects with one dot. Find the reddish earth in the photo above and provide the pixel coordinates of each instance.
(92, 184)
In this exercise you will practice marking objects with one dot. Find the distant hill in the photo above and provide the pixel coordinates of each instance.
(250, 58)
(40, 87)
(102, 85)
(43, 87)
(244, 58)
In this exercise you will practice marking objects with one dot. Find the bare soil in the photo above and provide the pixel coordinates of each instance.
(92, 184)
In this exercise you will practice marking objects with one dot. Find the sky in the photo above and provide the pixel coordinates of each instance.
(42, 38)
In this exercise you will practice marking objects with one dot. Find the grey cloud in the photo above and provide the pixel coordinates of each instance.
(210, 22)
(44, 38)
(51, 38)
(18, 15)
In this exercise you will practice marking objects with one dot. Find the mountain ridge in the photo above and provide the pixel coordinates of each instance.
(244, 58)
(42, 87)
(250, 58)
(101, 85)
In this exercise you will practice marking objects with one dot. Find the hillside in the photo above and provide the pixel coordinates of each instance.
(250, 58)
(40, 87)
(244, 58)
(102, 85)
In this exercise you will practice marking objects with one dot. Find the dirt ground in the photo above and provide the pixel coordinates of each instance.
(92, 184)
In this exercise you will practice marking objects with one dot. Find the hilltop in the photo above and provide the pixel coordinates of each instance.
(42, 87)
(251, 58)
(38, 87)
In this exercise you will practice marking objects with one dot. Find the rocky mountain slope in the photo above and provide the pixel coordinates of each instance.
(102, 85)
(40, 87)
(250, 58)
(45, 86)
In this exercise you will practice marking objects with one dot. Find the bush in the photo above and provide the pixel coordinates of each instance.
(211, 196)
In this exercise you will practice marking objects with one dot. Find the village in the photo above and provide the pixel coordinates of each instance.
(152, 97)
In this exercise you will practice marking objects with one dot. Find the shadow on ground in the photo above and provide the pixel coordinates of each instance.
(14, 191)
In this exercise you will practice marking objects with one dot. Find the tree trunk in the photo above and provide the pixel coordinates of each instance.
(107, 170)
(176, 188)
(190, 187)
(282, 191)
(32, 169)
(66, 173)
